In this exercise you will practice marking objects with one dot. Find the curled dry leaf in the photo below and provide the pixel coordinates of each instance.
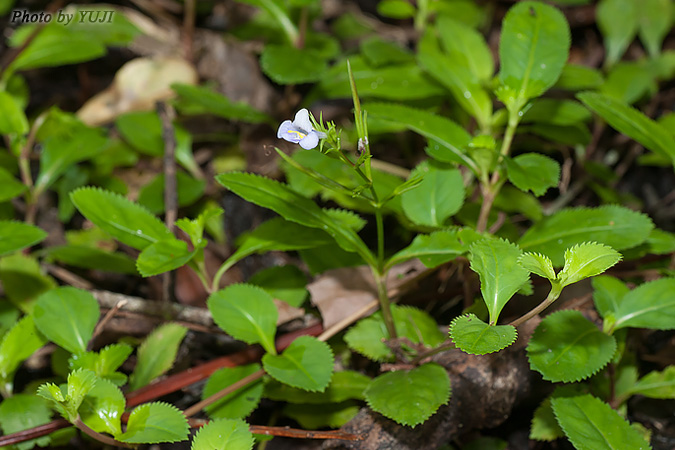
(137, 86)
(339, 293)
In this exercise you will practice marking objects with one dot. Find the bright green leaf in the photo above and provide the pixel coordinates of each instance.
(285, 283)
(534, 46)
(607, 294)
(657, 384)
(197, 99)
(126, 221)
(650, 305)
(655, 18)
(466, 47)
(102, 408)
(17, 345)
(163, 256)
(472, 335)
(575, 77)
(67, 316)
(18, 235)
(618, 22)
(496, 263)
(307, 364)
(591, 424)
(155, 422)
(11, 187)
(568, 347)
(12, 118)
(439, 195)
(92, 258)
(22, 412)
(80, 383)
(289, 65)
(395, 9)
(344, 385)
(433, 249)
(410, 397)
(247, 313)
(223, 434)
(156, 354)
(539, 264)
(586, 260)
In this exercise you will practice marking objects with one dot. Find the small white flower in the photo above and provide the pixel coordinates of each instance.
(300, 131)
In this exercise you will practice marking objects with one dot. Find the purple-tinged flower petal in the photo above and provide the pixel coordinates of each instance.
(290, 133)
(283, 128)
(310, 141)
(302, 121)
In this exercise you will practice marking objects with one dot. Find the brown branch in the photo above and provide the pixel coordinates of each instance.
(304, 434)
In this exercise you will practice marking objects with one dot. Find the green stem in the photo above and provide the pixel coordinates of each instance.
(385, 305)
(221, 271)
(380, 237)
(552, 296)
(491, 190)
(107, 440)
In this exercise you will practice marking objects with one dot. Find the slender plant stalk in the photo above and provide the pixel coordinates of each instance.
(107, 440)
(552, 296)
(385, 304)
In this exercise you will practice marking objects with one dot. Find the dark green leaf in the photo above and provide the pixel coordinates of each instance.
(409, 397)
(568, 347)
(632, 123)
(285, 283)
(67, 316)
(238, 404)
(343, 386)
(628, 82)
(657, 384)
(22, 412)
(615, 226)
(575, 78)
(247, 313)
(332, 415)
(381, 53)
(591, 424)
(126, 221)
(18, 235)
(607, 294)
(534, 172)
(155, 422)
(433, 249)
(156, 354)
(655, 18)
(451, 136)
(289, 65)
(92, 258)
(472, 335)
(17, 345)
(292, 206)
(188, 190)
(306, 364)
(556, 112)
(202, 99)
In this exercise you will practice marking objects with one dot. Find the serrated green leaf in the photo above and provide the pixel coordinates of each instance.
(80, 383)
(586, 260)
(447, 133)
(92, 258)
(655, 18)
(472, 335)
(591, 424)
(607, 294)
(618, 22)
(656, 384)
(102, 408)
(18, 235)
(496, 263)
(156, 354)
(104, 363)
(307, 364)
(294, 207)
(544, 427)
(202, 99)
(432, 249)
(17, 345)
(287, 283)
(247, 313)
(556, 112)
(632, 123)
(567, 347)
(238, 404)
(23, 412)
(539, 264)
(344, 385)
(534, 46)
(223, 434)
(163, 256)
(438, 196)
(409, 397)
(155, 422)
(67, 316)
(195, 228)
(289, 65)
(615, 226)
(126, 221)
(650, 305)
(533, 172)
